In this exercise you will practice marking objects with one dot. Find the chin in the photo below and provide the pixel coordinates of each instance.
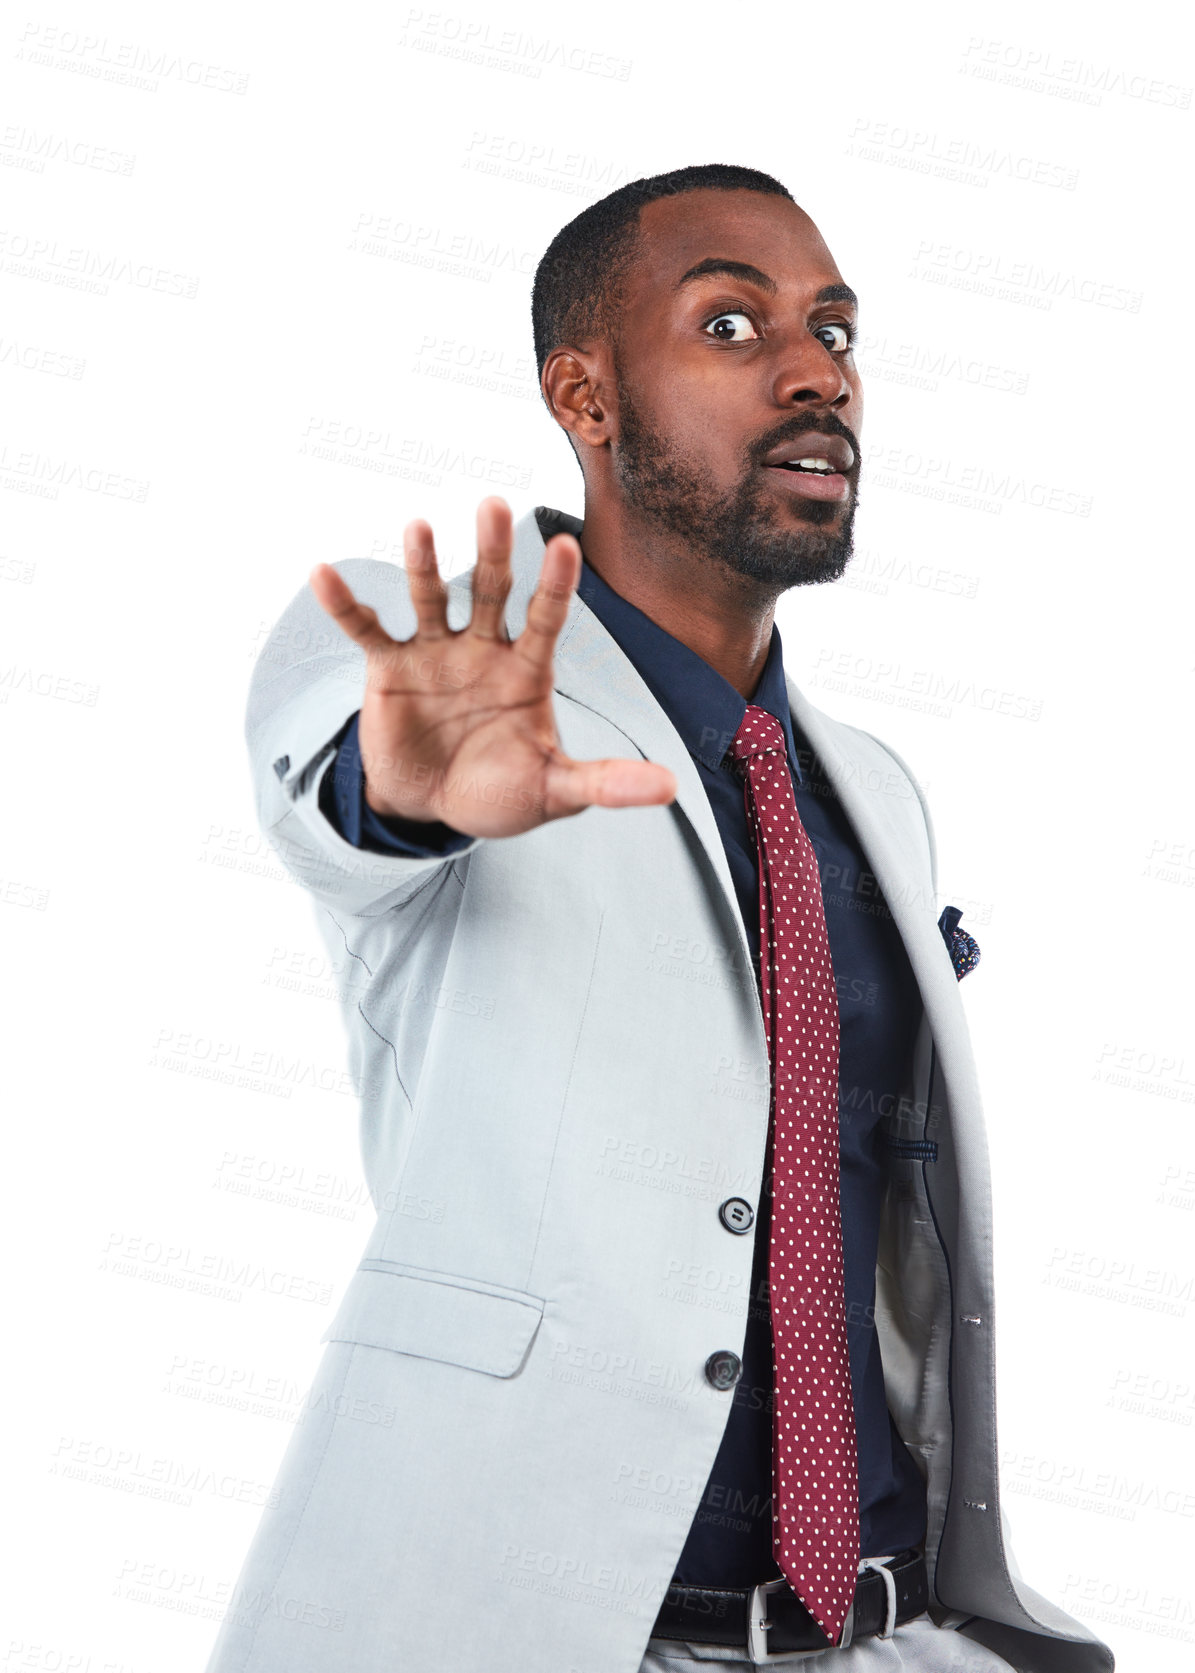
(781, 556)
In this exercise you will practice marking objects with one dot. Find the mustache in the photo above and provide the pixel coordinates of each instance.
(829, 424)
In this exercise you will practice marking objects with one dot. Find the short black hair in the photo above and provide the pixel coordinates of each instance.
(578, 284)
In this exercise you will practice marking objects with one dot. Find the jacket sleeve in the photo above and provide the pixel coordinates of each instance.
(307, 684)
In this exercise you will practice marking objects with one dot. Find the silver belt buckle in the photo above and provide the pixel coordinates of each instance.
(758, 1627)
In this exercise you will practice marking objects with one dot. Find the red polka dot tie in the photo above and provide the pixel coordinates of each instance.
(814, 1455)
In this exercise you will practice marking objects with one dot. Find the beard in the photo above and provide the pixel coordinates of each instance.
(744, 530)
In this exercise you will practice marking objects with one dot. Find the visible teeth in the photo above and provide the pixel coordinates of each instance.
(813, 464)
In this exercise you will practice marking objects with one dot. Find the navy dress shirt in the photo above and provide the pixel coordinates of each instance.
(730, 1539)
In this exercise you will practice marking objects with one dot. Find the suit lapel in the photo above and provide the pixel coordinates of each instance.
(593, 671)
(889, 840)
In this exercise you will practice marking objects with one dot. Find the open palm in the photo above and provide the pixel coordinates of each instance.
(457, 724)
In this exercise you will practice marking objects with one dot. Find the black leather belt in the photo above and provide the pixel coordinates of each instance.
(770, 1620)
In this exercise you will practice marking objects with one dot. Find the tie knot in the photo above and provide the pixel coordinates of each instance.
(759, 733)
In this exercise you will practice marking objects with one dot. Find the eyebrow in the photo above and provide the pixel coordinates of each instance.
(837, 293)
(755, 276)
(732, 269)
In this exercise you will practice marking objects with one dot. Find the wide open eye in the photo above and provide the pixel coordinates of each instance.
(840, 337)
(722, 327)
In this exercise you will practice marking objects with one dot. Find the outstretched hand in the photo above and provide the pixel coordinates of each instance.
(457, 724)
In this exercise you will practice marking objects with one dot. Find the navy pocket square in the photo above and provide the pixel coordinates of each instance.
(963, 948)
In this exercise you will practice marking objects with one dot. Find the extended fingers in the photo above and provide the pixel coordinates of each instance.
(547, 609)
(359, 621)
(491, 576)
(429, 595)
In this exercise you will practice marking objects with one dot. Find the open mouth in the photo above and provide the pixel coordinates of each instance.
(810, 478)
(817, 467)
(812, 466)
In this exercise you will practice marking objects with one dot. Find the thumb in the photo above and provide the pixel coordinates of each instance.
(614, 782)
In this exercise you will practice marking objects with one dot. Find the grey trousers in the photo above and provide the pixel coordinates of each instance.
(918, 1647)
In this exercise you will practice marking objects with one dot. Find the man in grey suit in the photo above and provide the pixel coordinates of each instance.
(547, 1434)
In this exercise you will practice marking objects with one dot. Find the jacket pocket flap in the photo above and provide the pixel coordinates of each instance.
(437, 1316)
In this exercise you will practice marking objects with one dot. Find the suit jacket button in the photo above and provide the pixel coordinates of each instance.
(737, 1215)
(723, 1369)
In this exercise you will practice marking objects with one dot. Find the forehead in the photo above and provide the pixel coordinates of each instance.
(767, 231)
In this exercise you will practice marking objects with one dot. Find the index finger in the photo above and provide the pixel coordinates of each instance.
(359, 621)
(548, 607)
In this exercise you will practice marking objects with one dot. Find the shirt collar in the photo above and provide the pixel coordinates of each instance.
(704, 707)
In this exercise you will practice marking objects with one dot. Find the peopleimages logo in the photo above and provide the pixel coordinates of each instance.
(479, 41)
(1037, 70)
(76, 267)
(953, 156)
(928, 690)
(376, 449)
(890, 467)
(1030, 283)
(129, 63)
(925, 366)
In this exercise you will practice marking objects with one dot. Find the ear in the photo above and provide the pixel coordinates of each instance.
(575, 389)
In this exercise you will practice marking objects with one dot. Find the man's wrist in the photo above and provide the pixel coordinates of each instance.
(431, 834)
(345, 806)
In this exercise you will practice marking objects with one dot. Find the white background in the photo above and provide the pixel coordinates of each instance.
(191, 301)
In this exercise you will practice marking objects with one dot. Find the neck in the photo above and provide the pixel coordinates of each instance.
(722, 616)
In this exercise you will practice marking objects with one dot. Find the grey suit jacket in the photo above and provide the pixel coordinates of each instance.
(564, 1072)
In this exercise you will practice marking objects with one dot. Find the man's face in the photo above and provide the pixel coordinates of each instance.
(720, 375)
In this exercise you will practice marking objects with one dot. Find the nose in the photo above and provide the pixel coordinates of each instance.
(809, 375)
